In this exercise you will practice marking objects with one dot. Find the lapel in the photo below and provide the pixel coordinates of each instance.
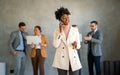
(66, 41)
(64, 38)
(18, 34)
(95, 34)
(42, 38)
(70, 34)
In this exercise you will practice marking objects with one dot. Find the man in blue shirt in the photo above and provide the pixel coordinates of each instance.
(18, 48)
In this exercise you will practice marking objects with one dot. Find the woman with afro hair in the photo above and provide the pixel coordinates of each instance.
(66, 41)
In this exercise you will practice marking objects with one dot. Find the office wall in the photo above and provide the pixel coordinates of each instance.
(41, 12)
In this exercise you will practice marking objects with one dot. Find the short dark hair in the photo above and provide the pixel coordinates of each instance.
(38, 28)
(94, 22)
(21, 24)
(61, 11)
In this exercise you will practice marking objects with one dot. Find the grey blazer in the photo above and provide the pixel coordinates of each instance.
(14, 40)
(96, 43)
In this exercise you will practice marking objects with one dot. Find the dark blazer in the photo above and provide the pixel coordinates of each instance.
(96, 43)
(14, 40)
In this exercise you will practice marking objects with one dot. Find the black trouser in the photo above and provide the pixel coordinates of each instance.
(79, 59)
(64, 72)
(94, 60)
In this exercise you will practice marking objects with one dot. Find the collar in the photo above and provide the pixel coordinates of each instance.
(95, 30)
(21, 31)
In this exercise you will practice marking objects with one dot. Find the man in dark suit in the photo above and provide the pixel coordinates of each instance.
(94, 40)
(18, 48)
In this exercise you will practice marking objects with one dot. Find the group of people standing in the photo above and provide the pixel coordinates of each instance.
(17, 44)
(66, 40)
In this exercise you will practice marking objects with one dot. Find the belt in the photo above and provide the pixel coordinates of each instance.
(19, 50)
(37, 49)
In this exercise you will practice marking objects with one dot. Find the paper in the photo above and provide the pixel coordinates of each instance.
(33, 39)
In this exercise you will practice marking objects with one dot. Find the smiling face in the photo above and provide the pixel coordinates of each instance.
(65, 19)
(36, 30)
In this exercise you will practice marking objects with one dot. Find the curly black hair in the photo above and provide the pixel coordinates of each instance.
(60, 12)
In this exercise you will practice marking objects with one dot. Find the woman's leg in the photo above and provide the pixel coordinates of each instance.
(35, 65)
(41, 64)
(62, 72)
(73, 72)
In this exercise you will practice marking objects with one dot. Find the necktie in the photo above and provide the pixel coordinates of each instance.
(90, 43)
(92, 33)
(22, 33)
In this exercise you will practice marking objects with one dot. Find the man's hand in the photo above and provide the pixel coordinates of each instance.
(88, 38)
(14, 52)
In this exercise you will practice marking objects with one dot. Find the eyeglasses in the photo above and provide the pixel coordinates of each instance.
(92, 26)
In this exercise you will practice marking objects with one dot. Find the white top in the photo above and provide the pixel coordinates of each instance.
(95, 30)
(38, 45)
(80, 37)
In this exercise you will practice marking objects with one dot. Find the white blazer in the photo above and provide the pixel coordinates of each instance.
(65, 54)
